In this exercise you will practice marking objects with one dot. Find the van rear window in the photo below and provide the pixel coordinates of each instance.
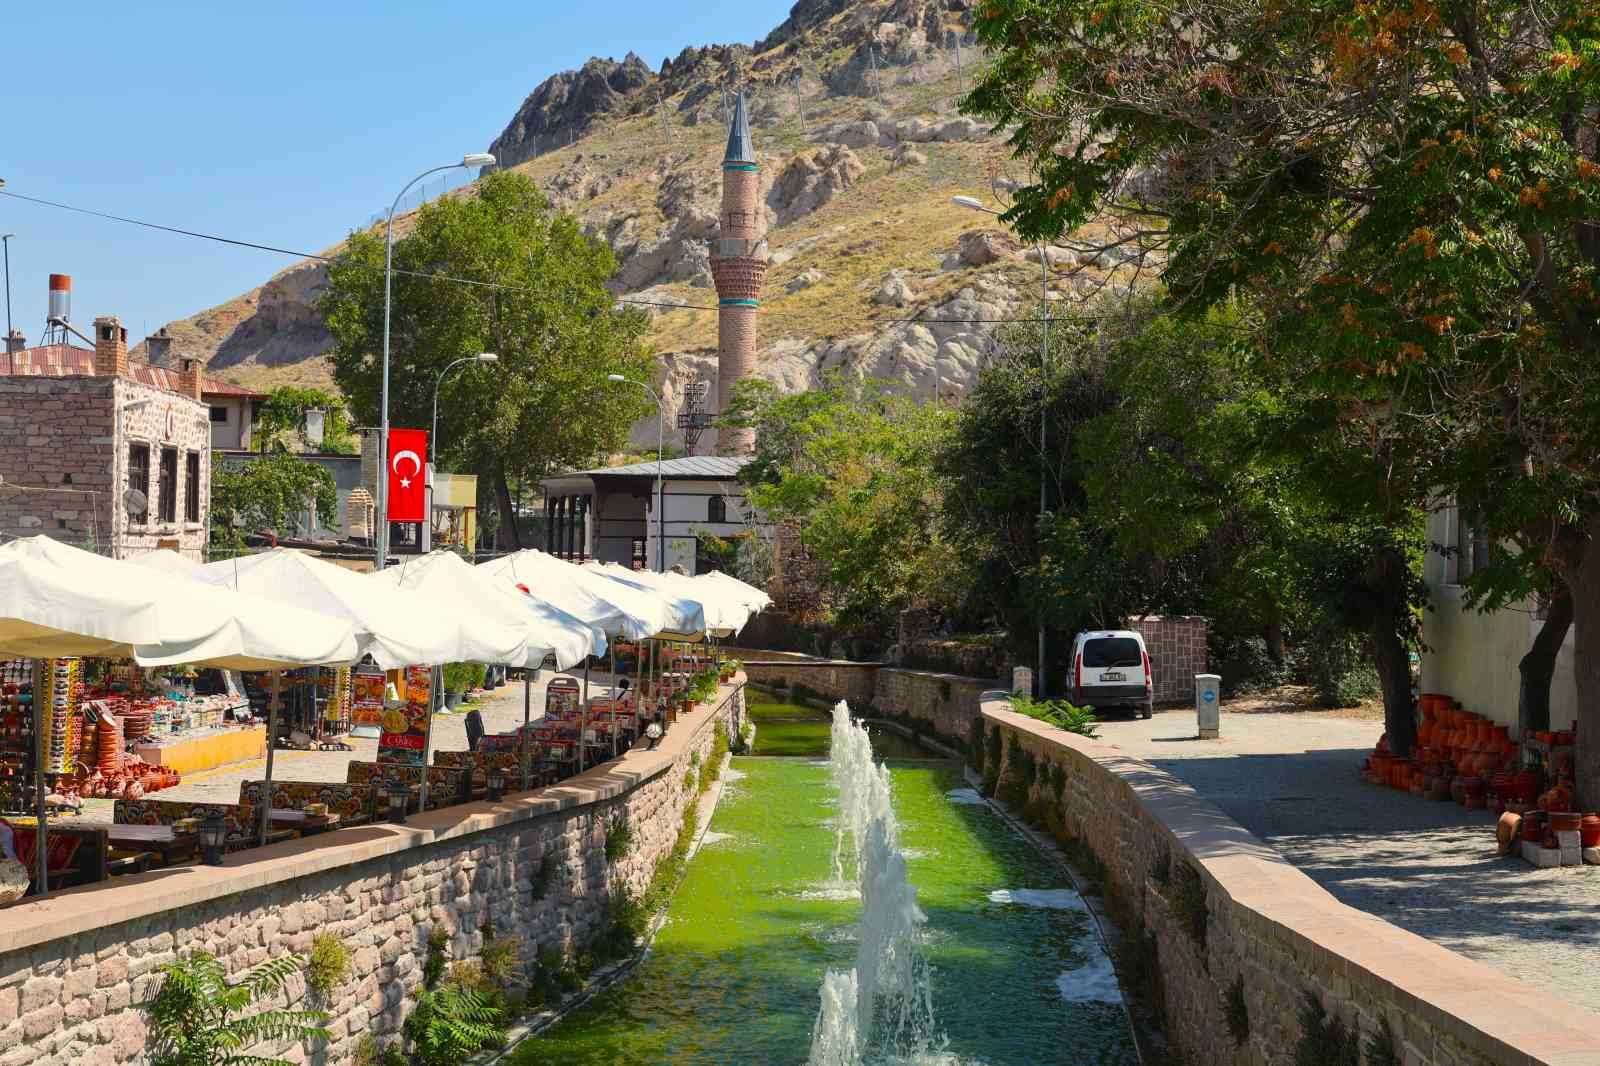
(1112, 651)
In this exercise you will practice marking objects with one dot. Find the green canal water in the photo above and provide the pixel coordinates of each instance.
(1018, 977)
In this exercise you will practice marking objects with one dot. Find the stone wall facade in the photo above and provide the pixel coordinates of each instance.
(830, 678)
(1220, 906)
(75, 997)
(64, 457)
(1177, 648)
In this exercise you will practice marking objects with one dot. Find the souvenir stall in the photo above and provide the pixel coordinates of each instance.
(59, 605)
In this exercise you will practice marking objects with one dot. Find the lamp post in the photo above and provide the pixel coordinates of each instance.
(433, 431)
(661, 497)
(5, 242)
(974, 204)
(475, 159)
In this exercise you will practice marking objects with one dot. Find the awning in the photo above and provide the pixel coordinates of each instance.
(686, 618)
(446, 577)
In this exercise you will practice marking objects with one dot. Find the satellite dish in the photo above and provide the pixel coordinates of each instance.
(135, 501)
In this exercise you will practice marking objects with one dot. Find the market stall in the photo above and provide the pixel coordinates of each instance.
(58, 604)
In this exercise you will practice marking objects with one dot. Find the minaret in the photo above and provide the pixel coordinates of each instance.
(739, 265)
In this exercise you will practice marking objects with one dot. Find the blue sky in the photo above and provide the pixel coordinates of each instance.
(284, 123)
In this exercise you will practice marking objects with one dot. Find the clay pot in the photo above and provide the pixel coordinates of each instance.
(1590, 828)
(1565, 822)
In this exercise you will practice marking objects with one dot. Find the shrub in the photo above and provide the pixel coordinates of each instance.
(450, 1023)
(433, 964)
(543, 877)
(1189, 902)
(196, 1016)
(626, 921)
(1324, 1041)
(370, 1053)
(501, 958)
(1336, 668)
(1246, 666)
(463, 677)
(1059, 713)
(1382, 1049)
(1236, 1011)
(619, 838)
(328, 966)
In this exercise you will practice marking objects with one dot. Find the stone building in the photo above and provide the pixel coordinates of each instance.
(739, 267)
(80, 428)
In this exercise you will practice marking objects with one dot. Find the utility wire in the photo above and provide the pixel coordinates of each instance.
(632, 300)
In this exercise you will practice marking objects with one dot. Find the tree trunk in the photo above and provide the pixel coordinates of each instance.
(1582, 575)
(508, 511)
(1389, 653)
(1393, 664)
(1272, 635)
(1538, 667)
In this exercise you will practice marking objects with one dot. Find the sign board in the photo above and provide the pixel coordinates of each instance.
(366, 702)
(1208, 704)
(404, 736)
(1022, 680)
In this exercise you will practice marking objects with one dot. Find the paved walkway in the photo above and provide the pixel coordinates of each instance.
(502, 711)
(1293, 779)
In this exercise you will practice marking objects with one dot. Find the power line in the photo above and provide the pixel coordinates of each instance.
(498, 285)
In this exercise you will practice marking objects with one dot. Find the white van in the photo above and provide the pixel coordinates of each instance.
(1111, 671)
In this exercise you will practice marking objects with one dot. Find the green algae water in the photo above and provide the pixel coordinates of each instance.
(733, 976)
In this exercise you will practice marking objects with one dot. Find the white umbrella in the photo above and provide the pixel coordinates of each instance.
(57, 600)
(685, 619)
(721, 612)
(166, 561)
(445, 576)
(621, 610)
(743, 591)
(395, 626)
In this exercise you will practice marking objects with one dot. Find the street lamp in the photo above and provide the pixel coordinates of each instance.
(476, 159)
(974, 204)
(433, 431)
(661, 497)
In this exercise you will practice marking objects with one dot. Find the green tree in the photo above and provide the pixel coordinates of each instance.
(197, 1018)
(1408, 191)
(851, 465)
(267, 494)
(282, 420)
(534, 294)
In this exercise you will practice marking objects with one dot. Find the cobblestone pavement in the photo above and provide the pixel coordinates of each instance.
(1293, 779)
(502, 711)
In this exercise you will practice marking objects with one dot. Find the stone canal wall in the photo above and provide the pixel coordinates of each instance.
(1216, 919)
(946, 702)
(75, 968)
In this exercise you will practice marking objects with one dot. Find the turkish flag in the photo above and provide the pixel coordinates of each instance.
(408, 475)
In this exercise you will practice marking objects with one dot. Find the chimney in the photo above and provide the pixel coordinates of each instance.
(110, 347)
(158, 348)
(15, 341)
(191, 378)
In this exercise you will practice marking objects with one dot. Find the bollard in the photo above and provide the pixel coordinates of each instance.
(1022, 680)
(1208, 705)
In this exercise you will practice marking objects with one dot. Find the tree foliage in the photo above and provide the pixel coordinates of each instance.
(198, 1019)
(281, 421)
(268, 494)
(535, 295)
(851, 465)
(1408, 192)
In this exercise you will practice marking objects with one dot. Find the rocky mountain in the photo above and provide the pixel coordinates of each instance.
(874, 270)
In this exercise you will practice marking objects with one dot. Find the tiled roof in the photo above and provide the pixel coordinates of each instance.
(693, 466)
(68, 360)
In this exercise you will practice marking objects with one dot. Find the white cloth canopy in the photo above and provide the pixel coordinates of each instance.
(395, 626)
(689, 618)
(615, 608)
(445, 576)
(166, 561)
(743, 591)
(56, 600)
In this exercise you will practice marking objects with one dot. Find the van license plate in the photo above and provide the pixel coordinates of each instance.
(1113, 675)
